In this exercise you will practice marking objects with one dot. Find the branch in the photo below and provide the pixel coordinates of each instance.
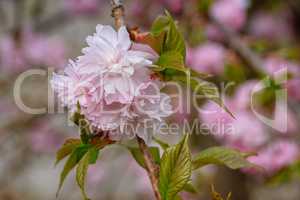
(234, 41)
(246, 54)
(118, 13)
(151, 167)
(58, 19)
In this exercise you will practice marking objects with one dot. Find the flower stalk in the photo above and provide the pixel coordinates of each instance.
(152, 169)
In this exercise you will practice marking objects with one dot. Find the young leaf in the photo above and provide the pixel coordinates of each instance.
(138, 156)
(171, 60)
(190, 188)
(173, 40)
(162, 144)
(67, 148)
(89, 158)
(74, 158)
(175, 169)
(222, 156)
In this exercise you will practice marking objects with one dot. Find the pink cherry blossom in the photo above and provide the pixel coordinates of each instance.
(207, 58)
(234, 132)
(243, 95)
(231, 13)
(276, 156)
(113, 84)
(82, 6)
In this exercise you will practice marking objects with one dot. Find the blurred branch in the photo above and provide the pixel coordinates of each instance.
(57, 20)
(234, 41)
(246, 54)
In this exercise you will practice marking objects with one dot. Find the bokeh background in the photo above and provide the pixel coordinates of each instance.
(240, 42)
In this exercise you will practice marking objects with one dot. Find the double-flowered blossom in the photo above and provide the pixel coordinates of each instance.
(113, 84)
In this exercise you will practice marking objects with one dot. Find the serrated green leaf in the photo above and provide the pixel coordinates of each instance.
(138, 156)
(82, 168)
(67, 148)
(171, 60)
(175, 169)
(222, 156)
(74, 158)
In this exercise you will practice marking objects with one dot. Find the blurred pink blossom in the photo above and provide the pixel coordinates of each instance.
(276, 156)
(270, 26)
(234, 132)
(89, 7)
(242, 97)
(274, 66)
(44, 138)
(174, 5)
(207, 58)
(293, 88)
(231, 13)
(30, 50)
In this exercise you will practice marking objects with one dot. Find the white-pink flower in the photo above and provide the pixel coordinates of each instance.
(113, 84)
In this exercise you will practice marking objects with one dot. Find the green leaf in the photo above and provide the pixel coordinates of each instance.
(286, 175)
(173, 39)
(222, 156)
(160, 25)
(175, 169)
(89, 158)
(74, 158)
(161, 143)
(138, 156)
(190, 188)
(203, 89)
(172, 60)
(94, 153)
(204, 5)
(67, 148)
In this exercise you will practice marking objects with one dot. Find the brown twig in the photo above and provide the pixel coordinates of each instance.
(151, 167)
(118, 13)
